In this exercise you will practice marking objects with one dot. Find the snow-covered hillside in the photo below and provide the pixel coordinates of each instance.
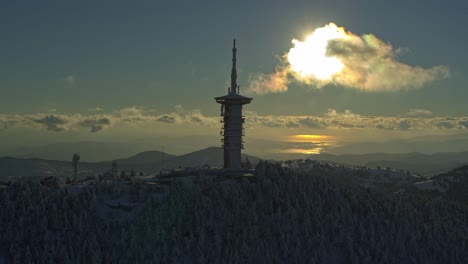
(387, 179)
(286, 215)
(452, 184)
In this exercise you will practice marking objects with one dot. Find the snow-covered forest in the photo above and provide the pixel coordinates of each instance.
(282, 215)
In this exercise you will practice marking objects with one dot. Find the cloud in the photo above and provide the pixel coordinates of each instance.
(311, 122)
(53, 123)
(96, 109)
(445, 124)
(95, 124)
(341, 124)
(419, 113)
(166, 118)
(464, 123)
(7, 121)
(180, 115)
(67, 80)
(347, 113)
(268, 83)
(370, 65)
(290, 124)
(330, 120)
(404, 125)
(331, 55)
(384, 127)
(333, 119)
(194, 116)
(271, 121)
(196, 119)
(135, 115)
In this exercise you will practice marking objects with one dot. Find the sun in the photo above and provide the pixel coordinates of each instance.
(308, 58)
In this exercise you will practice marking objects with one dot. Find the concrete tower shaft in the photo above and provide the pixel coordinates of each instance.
(231, 110)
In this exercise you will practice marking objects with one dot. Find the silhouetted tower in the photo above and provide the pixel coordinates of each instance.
(231, 111)
(75, 160)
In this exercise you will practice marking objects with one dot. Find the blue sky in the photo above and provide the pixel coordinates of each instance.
(66, 57)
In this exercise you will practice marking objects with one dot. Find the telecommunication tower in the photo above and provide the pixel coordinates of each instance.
(232, 122)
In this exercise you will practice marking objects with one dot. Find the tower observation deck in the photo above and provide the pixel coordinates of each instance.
(232, 119)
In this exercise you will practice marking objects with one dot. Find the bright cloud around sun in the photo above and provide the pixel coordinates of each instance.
(332, 55)
(309, 58)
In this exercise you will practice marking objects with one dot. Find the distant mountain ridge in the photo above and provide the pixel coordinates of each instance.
(144, 157)
(424, 164)
(452, 184)
(90, 151)
(212, 156)
(16, 167)
(147, 161)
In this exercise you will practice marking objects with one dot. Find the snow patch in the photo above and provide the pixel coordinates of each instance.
(429, 185)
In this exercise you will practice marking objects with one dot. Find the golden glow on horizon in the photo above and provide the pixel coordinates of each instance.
(308, 138)
(314, 144)
(308, 58)
(303, 151)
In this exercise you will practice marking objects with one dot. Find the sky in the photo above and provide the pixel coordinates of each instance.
(147, 72)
